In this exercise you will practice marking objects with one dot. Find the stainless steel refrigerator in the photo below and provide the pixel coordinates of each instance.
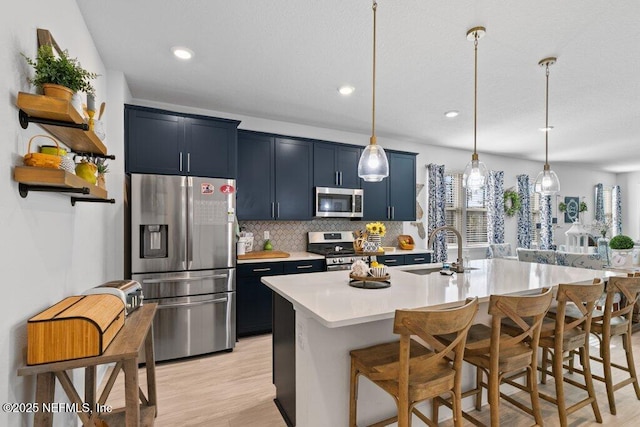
(183, 254)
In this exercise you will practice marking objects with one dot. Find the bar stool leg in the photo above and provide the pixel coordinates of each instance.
(494, 397)
(353, 395)
(605, 353)
(479, 388)
(588, 380)
(630, 363)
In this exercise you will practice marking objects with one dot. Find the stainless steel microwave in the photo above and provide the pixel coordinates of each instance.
(338, 202)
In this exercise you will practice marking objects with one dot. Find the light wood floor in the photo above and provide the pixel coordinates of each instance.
(235, 390)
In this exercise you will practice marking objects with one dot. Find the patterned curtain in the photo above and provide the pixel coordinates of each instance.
(617, 211)
(599, 213)
(495, 208)
(546, 230)
(436, 209)
(524, 214)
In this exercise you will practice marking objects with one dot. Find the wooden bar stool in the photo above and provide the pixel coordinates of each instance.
(609, 323)
(409, 371)
(560, 336)
(498, 354)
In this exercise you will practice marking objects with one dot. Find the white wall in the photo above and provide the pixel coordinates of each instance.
(50, 250)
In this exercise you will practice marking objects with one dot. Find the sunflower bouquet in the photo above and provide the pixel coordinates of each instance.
(376, 228)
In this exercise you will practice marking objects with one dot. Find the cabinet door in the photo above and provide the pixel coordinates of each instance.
(153, 142)
(402, 186)
(256, 192)
(325, 173)
(210, 148)
(294, 179)
(347, 165)
(375, 203)
(254, 298)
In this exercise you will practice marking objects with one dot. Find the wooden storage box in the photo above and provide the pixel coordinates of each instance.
(76, 327)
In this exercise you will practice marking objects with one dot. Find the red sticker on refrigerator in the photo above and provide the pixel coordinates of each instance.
(227, 189)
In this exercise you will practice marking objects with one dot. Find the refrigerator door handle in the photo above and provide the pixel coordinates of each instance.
(185, 279)
(180, 161)
(188, 162)
(189, 222)
(193, 304)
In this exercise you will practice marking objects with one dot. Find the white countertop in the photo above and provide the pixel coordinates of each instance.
(328, 298)
(294, 256)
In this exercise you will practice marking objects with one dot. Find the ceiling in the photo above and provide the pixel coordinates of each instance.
(285, 59)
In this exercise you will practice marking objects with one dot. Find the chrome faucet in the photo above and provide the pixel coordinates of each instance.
(458, 267)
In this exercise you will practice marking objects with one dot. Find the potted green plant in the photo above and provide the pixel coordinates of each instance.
(59, 76)
(101, 168)
(621, 246)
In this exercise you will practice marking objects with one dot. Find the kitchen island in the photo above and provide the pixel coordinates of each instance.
(319, 318)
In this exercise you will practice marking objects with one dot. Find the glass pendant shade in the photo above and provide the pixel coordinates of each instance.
(547, 182)
(373, 165)
(475, 174)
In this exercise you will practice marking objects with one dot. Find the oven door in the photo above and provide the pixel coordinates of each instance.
(338, 202)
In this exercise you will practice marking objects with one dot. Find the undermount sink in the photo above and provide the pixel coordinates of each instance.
(425, 271)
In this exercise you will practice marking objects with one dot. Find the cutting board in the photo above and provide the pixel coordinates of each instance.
(264, 255)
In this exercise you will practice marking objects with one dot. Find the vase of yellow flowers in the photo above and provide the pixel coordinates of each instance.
(375, 231)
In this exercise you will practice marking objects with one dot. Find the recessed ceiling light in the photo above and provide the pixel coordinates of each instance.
(346, 90)
(547, 129)
(452, 113)
(182, 53)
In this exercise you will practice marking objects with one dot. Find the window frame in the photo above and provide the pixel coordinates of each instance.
(458, 212)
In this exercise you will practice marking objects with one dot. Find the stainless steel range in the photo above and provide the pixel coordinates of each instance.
(336, 246)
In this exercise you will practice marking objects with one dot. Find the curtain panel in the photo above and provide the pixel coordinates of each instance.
(524, 213)
(495, 207)
(436, 203)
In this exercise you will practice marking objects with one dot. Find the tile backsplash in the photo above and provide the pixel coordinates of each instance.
(291, 236)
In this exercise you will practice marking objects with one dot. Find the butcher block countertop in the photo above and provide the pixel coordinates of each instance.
(293, 256)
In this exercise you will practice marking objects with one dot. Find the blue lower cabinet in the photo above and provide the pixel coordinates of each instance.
(407, 259)
(254, 298)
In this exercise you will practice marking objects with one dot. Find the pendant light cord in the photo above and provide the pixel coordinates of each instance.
(546, 107)
(373, 102)
(475, 91)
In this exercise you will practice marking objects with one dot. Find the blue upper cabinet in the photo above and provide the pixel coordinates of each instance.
(168, 143)
(335, 165)
(255, 196)
(394, 198)
(275, 177)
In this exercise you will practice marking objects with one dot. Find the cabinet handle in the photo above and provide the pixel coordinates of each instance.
(336, 178)
(300, 267)
(188, 162)
(393, 212)
(278, 210)
(273, 210)
(388, 212)
(180, 161)
(340, 178)
(255, 270)
(387, 261)
(418, 259)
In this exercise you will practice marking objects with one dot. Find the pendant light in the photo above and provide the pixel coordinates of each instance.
(547, 182)
(475, 174)
(373, 165)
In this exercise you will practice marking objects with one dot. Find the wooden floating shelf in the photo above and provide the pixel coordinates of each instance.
(48, 108)
(57, 179)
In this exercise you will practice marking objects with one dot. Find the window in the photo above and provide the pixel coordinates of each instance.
(465, 210)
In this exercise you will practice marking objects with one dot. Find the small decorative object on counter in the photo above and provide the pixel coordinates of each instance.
(406, 242)
(43, 160)
(268, 246)
(375, 231)
(621, 250)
